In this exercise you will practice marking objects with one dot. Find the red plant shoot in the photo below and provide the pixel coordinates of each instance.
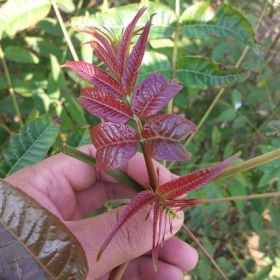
(116, 99)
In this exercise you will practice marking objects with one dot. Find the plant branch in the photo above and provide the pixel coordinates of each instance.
(3, 126)
(65, 33)
(203, 249)
(153, 180)
(115, 173)
(240, 198)
(251, 163)
(10, 85)
(175, 51)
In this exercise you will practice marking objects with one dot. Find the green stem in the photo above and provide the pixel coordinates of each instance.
(115, 173)
(175, 51)
(10, 85)
(3, 126)
(237, 259)
(65, 33)
(240, 198)
(251, 163)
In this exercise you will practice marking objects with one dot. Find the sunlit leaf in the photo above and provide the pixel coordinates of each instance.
(105, 106)
(34, 243)
(115, 144)
(202, 73)
(153, 94)
(200, 20)
(16, 15)
(29, 146)
(162, 135)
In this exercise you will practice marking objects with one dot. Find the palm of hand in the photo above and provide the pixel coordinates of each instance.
(70, 189)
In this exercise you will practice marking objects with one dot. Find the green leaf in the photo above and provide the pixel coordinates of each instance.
(16, 15)
(29, 146)
(35, 242)
(256, 221)
(199, 20)
(119, 17)
(202, 73)
(43, 47)
(155, 62)
(19, 54)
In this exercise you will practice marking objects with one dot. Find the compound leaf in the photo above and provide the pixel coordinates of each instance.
(199, 20)
(29, 146)
(202, 73)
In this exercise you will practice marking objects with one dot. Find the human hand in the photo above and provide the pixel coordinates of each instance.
(69, 189)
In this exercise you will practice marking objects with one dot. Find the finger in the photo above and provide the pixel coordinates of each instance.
(177, 252)
(131, 241)
(142, 269)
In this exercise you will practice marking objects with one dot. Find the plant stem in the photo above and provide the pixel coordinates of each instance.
(153, 180)
(203, 249)
(10, 85)
(175, 51)
(240, 198)
(3, 126)
(251, 163)
(237, 259)
(115, 173)
(65, 33)
(221, 91)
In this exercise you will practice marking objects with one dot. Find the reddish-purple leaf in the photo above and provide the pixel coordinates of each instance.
(187, 183)
(105, 57)
(153, 94)
(105, 106)
(95, 75)
(116, 143)
(134, 60)
(125, 42)
(162, 135)
(136, 204)
(103, 39)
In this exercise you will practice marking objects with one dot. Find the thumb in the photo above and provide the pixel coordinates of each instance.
(132, 240)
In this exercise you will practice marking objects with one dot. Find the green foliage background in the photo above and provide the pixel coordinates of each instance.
(243, 237)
